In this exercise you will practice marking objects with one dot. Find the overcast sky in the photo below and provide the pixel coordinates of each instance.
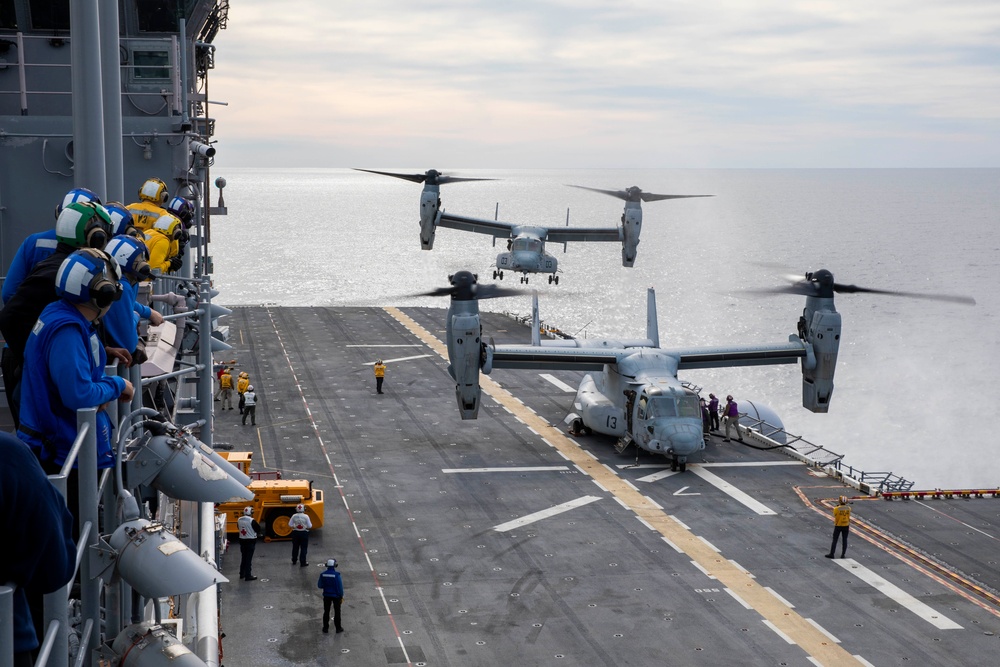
(626, 83)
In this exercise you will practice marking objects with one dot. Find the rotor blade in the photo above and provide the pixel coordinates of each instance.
(620, 194)
(416, 178)
(455, 179)
(950, 298)
(495, 291)
(440, 291)
(649, 196)
(799, 288)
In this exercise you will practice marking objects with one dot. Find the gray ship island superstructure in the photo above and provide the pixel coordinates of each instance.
(515, 538)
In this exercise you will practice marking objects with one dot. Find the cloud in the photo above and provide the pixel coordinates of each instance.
(556, 82)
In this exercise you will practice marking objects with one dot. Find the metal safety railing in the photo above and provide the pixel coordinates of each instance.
(103, 609)
(823, 457)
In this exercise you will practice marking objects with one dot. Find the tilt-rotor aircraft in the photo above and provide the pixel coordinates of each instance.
(631, 390)
(526, 243)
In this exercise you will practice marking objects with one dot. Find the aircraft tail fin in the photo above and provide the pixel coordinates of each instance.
(652, 328)
(536, 323)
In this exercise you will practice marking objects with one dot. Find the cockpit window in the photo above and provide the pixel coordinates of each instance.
(534, 245)
(661, 407)
(690, 407)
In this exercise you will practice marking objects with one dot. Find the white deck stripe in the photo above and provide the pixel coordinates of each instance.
(557, 382)
(656, 476)
(544, 514)
(522, 469)
(389, 361)
(823, 630)
(894, 592)
(703, 570)
(863, 661)
(732, 491)
(775, 594)
(738, 598)
(406, 345)
(778, 632)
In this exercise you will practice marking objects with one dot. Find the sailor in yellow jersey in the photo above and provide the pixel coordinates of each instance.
(161, 240)
(152, 196)
(841, 527)
(379, 375)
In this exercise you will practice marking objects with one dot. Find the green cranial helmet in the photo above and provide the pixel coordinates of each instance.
(84, 225)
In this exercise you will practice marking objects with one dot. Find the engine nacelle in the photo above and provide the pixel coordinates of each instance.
(631, 228)
(819, 328)
(465, 354)
(430, 215)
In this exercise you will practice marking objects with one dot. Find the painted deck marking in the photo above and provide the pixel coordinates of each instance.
(732, 491)
(401, 345)
(557, 382)
(778, 632)
(657, 476)
(512, 469)
(823, 630)
(545, 514)
(680, 492)
(389, 361)
(779, 617)
(897, 594)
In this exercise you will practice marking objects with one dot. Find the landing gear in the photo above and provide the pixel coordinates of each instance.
(494, 275)
(554, 279)
(675, 464)
(498, 274)
(524, 279)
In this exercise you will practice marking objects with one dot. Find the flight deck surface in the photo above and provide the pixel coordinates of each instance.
(506, 541)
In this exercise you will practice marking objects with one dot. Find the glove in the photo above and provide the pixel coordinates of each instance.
(176, 263)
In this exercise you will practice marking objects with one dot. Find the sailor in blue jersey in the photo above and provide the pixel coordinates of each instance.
(65, 360)
(333, 594)
(121, 322)
(38, 246)
(35, 519)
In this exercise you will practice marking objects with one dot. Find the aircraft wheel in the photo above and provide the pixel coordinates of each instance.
(501, 274)
(494, 275)
(526, 280)
(684, 467)
(550, 280)
(557, 280)
(673, 464)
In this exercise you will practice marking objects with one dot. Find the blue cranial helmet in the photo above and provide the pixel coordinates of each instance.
(132, 256)
(76, 195)
(183, 209)
(122, 221)
(89, 276)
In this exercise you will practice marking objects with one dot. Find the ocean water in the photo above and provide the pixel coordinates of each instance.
(916, 389)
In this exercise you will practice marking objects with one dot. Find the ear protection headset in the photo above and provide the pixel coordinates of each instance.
(132, 256)
(154, 190)
(89, 275)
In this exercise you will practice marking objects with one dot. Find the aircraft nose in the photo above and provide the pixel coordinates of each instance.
(681, 439)
(522, 259)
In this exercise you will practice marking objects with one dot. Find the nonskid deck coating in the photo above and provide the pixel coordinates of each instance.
(429, 581)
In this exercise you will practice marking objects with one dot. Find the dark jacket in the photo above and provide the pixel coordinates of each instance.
(331, 583)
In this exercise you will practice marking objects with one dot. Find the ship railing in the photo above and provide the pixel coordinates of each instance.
(821, 457)
(97, 623)
(143, 74)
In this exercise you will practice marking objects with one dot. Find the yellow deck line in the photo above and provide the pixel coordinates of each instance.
(807, 636)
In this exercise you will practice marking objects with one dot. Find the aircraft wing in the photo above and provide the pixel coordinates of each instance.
(740, 355)
(478, 225)
(564, 234)
(553, 358)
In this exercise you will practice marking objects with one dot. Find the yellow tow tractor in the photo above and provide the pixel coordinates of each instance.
(274, 500)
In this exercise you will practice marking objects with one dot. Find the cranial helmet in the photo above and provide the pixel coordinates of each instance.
(168, 225)
(843, 500)
(729, 397)
(89, 276)
(247, 511)
(250, 387)
(183, 209)
(77, 195)
(300, 508)
(154, 190)
(132, 256)
(332, 562)
(121, 220)
(244, 374)
(84, 225)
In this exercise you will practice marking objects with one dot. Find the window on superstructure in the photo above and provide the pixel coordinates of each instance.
(157, 15)
(8, 15)
(151, 64)
(49, 14)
